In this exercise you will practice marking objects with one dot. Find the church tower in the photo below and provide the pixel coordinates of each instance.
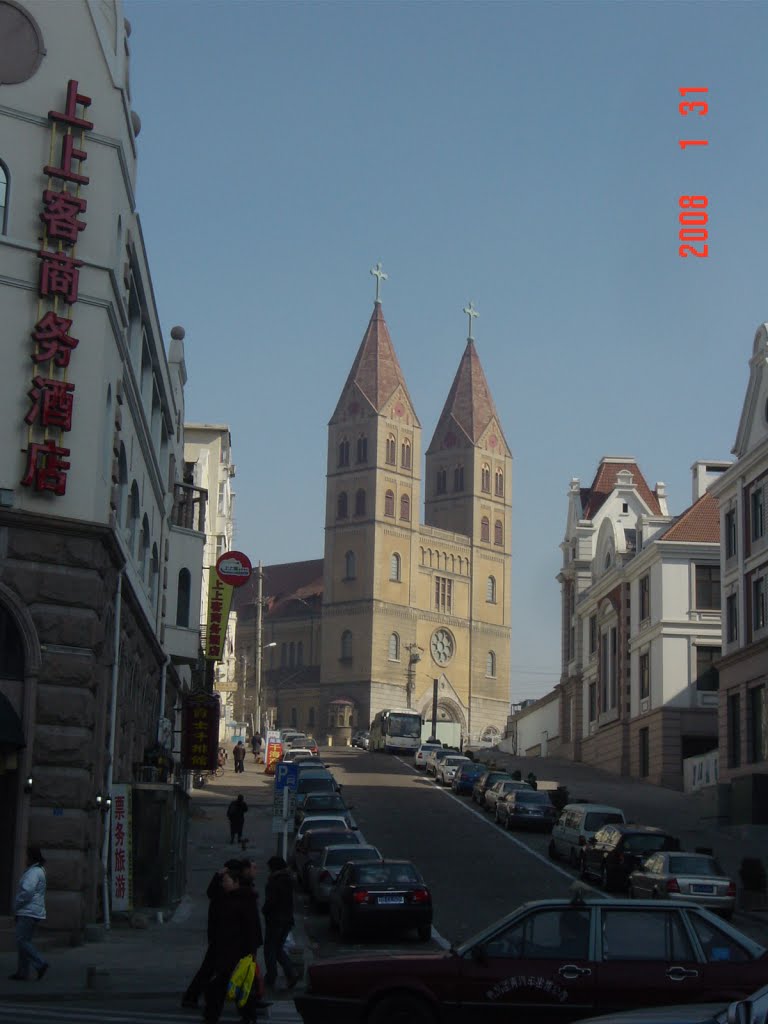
(371, 527)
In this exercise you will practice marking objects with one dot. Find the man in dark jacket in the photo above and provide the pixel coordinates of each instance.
(278, 915)
(216, 889)
(236, 813)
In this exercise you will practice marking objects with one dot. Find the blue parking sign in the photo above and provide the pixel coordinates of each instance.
(286, 776)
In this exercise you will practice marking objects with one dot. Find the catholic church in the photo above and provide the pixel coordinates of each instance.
(394, 604)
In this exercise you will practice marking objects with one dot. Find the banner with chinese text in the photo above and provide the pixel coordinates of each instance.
(200, 714)
(219, 601)
(121, 872)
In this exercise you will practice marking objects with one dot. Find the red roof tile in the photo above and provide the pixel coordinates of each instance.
(285, 582)
(700, 522)
(376, 370)
(605, 483)
(469, 404)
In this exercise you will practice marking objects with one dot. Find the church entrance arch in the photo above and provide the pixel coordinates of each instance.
(448, 711)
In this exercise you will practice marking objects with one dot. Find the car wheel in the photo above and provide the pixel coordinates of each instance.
(552, 850)
(424, 932)
(401, 1009)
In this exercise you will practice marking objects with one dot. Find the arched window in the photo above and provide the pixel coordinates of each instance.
(490, 590)
(485, 478)
(391, 450)
(389, 503)
(11, 647)
(122, 485)
(394, 567)
(458, 478)
(499, 483)
(183, 594)
(4, 191)
(294, 718)
(490, 665)
(405, 454)
(350, 566)
(300, 653)
(346, 644)
(362, 448)
(498, 533)
(341, 505)
(109, 432)
(441, 481)
(143, 552)
(291, 654)
(154, 573)
(394, 647)
(360, 502)
(485, 530)
(311, 717)
(134, 510)
(405, 507)
(343, 452)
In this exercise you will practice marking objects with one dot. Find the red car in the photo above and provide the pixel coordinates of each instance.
(548, 962)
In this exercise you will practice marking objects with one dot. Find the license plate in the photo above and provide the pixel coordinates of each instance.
(391, 899)
(705, 890)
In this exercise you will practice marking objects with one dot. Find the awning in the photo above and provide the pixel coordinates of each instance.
(11, 732)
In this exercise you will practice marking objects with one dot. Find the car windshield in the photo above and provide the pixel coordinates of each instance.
(426, 748)
(494, 777)
(532, 796)
(596, 819)
(688, 864)
(324, 802)
(387, 875)
(317, 840)
(319, 822)
(305, 785)
(336, 857)
(470, 769)
(454, 760)
(645, 843)
(408, 726)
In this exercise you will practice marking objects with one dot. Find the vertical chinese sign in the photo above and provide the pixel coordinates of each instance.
(200, 713)
(219, 603)
(51, 394)
(122, 858)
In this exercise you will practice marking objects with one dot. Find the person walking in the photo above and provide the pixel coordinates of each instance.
(256, 746)
(236, 813)
(29, 910)
(221, 883)
(278, 915)
(238, 755)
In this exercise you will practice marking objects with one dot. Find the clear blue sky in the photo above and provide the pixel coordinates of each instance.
(524, 155)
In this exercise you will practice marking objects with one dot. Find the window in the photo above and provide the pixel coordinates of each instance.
(707, 676)
(342, 510)
(644, 753)
(458, 478)
(485, 530)
(405, 455)
(730, 533)
(731, 618)
(614, 667)
(391, 450)
(490, 590)
(294, 718)
(645, 676)
(389, 504)
(592, 634)
(222, 502)
(734, 730)
(221, 545)
(498, 533)
(291, 654)
(343, 452)
(346, 645)
(645, 597)
(143, 552)
(283, 655)
(757, 716)
(4, 189)
(708, 587)
(717, 944)
(592, 701)
(490, 665)
(405, 508)
(362, 448)
(551, 934)
(758, 603)
(183, 598)
(360, 502)
(311, 717)
(134, 510)
(645, 935)
(154, 570)
(499, 478)
(394, 647)
(441, 481)
(443, 594)
(485, 478)
(756, 510)
(350, 566)
(394, 568)
(300, 653)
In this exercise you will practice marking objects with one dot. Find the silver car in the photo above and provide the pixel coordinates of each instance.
(448, 767)
(684, 876)
(321, 876)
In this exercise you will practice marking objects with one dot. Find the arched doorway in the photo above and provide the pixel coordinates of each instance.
(449, 712)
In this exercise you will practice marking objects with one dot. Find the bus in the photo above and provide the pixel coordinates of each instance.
(396, 731)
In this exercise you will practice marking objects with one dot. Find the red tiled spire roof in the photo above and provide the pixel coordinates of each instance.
(605, 483)
(700, 522)
(376, 370)
(470, 403)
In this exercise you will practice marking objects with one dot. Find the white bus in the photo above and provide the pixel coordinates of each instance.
(396, 731)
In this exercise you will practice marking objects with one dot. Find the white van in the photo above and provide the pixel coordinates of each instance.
(576, 826)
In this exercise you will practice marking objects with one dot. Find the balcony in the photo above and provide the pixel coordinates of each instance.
(189, 505)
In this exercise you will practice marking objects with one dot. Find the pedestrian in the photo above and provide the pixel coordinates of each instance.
(236, 813)
(256, 745)
(29, 909)
(531, 780)
(235, 933)
(238, 755)
(278, 915)
(222, 882)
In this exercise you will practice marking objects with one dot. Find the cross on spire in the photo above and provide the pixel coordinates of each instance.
(471, 313)
(380, 276)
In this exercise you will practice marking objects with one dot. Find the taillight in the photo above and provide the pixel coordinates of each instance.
(672, 885)
(731, 890)
(419, 896)
(582, 841)
(360, 895)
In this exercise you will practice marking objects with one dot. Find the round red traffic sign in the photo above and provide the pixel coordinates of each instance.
(234, 568)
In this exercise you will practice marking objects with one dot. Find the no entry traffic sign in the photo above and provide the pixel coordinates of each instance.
(234, 568)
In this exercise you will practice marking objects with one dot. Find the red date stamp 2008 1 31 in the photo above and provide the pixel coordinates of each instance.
(693, 216)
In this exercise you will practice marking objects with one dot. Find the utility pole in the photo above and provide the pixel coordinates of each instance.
(259, 651)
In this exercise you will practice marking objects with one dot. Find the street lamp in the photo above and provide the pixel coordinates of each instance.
(259, 655)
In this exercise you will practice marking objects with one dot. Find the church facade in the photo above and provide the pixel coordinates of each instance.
(395, 604)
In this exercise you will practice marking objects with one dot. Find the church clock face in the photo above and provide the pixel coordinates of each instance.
(442, 646)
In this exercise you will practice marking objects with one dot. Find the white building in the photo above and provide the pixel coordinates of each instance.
(97, 525)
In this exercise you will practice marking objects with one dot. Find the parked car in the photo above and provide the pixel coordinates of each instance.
(391, 894)
(466, 777)
(309, 847)
(296, 754)
(435, 756)
(323, 821)
(689, 876)
(526, 808)
(321, 876)
(297, 739)
(616, 850)
(577, 824)
(320, 781)
(448, 767)
(498, 791)
(311, 744)
(484, 781)
(322, 803)
(420, 757)
(362, 739)
(548, 961)
(753, 1010)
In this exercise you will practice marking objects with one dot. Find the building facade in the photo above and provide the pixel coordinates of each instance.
(395, 604)
(95, 521)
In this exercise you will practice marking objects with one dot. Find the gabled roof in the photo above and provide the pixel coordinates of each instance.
(700, 522)
(469, 405)
(376, 371)
(606, 481)
(284, 585)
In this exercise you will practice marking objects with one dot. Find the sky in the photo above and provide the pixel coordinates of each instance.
(522, 155)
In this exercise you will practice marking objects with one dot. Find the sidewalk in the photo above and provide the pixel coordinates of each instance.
(161, 958)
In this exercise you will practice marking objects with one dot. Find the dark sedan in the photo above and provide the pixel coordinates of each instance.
(311, 845)
(751, 1011)
(465, 778)
(548, 962)
(389, 894)
(526, 808)
(485, 781)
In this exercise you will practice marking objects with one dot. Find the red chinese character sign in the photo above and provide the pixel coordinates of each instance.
(51, 395)
(121, 860)
(219, 603)
(200, 714)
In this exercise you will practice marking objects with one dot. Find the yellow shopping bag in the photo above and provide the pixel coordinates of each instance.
(241, 982)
